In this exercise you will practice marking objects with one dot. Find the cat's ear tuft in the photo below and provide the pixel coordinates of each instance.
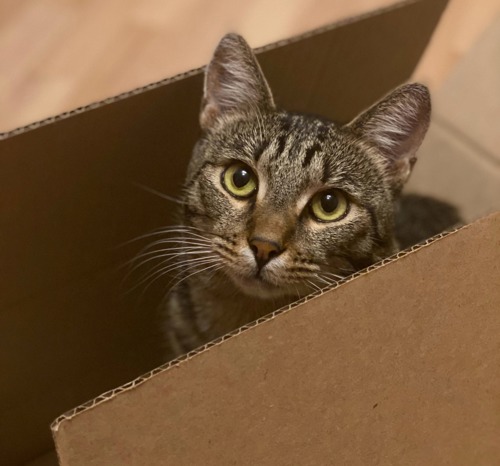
(234, 82)
(396, 127)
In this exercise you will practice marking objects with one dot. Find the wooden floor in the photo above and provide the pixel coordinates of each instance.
(56, 55)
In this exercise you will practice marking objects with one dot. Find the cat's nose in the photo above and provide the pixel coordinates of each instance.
(264, 250)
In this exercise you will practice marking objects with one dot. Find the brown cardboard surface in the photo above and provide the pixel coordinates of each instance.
(398, 366)
(67, 200)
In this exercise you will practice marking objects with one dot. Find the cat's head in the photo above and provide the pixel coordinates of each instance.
(292, 202)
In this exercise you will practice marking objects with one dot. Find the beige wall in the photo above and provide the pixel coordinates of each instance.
(56, 55)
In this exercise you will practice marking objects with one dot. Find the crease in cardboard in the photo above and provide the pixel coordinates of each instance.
(336, 24)
(196, 71)
(109, 395)
(98, 104)
(476, 146)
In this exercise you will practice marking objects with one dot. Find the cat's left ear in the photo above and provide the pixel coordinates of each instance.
(396, 127)
(234, 82)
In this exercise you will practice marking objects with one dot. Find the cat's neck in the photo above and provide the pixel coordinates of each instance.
(221, 307)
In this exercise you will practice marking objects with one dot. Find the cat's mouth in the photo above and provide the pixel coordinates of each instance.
(258, 286)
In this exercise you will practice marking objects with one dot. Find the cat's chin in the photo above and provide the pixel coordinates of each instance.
(259, 288)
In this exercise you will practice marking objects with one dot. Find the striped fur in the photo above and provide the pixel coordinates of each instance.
(220, 286)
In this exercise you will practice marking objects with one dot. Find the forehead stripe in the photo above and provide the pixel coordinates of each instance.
(281, 144)
(259, 150)
(310, 153)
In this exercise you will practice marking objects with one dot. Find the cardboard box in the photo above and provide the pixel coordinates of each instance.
(398, 365)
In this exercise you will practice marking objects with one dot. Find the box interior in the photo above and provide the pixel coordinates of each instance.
(69, 327)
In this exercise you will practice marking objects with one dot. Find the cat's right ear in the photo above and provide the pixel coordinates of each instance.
(396, 127)
(234, 83)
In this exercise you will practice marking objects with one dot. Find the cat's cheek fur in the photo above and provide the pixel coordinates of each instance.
(209, 195)
(326, 244)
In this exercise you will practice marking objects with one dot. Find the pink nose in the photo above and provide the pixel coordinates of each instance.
(264, 250)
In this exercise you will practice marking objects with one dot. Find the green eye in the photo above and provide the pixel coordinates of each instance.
(239, 180)
(329, 206)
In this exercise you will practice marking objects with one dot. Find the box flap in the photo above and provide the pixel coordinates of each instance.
(398, 366)
(67, 200)
(481, 99)
(463, 140)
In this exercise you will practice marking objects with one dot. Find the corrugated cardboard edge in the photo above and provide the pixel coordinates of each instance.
(109, 395)
(187, 74)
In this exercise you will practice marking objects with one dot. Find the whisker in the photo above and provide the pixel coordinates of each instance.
(158, 253)
(178, 242)
(316, 287)
(297, 291)
(185, 235)
(324, 280)
(187, 247)
(167, 230)
(179, 264)
(334, 275)
(163, 273)
(186, 269)
(168, 252)
(166, 259)
(158, 193)
(217, 264)
(192, 264)
(159, 272)
(310, 286)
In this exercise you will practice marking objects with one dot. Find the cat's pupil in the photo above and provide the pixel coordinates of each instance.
(329, 202)
(241, 177)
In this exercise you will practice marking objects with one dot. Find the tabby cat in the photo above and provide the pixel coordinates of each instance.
(277, 205)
